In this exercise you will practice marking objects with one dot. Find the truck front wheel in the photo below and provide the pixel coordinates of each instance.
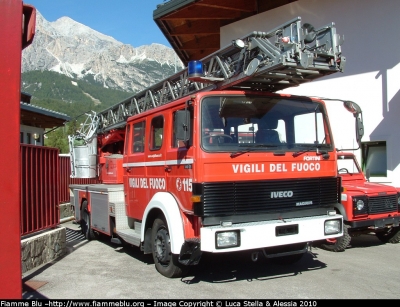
(166, 263)
(390, 235)
(338, 244)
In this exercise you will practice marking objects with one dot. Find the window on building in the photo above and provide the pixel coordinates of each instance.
(21, 137)
(157, 129)
(28, 138)
(374, 158)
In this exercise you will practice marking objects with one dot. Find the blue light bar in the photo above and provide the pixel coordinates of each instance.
(195, 69)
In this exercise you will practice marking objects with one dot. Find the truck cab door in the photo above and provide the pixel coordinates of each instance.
(179, 168)
(134, 170)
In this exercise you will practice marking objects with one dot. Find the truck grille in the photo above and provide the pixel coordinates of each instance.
(259, 197)
(382, 204)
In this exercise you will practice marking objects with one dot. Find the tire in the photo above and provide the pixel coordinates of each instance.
(338, 244)
(390, 235)
(166, 263)
(286, 260)
(86, 229)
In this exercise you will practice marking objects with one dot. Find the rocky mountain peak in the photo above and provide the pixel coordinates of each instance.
(77, 51)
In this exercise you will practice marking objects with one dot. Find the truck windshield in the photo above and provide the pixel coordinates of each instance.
(255, 123)
(347, 165)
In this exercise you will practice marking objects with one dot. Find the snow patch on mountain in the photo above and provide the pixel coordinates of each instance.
(69, 27)
(77, 51)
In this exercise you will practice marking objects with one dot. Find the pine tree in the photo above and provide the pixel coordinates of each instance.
(58, 138)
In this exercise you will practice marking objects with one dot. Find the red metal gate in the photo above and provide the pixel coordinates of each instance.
(45, 180)
(40, 181)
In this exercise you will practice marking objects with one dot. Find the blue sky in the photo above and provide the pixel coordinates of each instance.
(128, 21)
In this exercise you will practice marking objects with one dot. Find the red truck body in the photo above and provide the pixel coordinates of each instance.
(367, 207)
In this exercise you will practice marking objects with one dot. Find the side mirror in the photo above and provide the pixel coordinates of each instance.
(355, 109)
(359, 130)
(182, 126)
(352, 107)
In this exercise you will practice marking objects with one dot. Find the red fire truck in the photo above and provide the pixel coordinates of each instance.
(212, 160)
(366, 207)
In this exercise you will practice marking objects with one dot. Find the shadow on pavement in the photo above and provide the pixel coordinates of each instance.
(213, 268)
(365, 240)
(222, 268)
(74, 240)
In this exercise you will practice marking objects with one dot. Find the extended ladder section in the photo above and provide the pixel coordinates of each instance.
(286, 56)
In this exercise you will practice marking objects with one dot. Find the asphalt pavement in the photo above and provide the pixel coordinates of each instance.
(368, 269)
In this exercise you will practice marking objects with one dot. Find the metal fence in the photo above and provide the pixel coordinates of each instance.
(45, 180)
(40, 177)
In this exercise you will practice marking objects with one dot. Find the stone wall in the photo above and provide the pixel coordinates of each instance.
(66, 211)
(46, 246)
(43, 248)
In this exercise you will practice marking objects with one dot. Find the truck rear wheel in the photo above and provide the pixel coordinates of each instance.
(390, 235)
(87, 231)
(166, 263)
(338, 244)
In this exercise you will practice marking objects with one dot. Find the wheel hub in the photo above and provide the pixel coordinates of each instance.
(162, 246)
(331, 241)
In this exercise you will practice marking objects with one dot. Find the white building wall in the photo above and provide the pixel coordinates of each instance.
(29, 133)
(371, 75)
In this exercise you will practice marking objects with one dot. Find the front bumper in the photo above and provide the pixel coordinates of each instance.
(376, 223)
(255, 235)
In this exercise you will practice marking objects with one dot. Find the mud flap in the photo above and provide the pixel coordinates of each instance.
(190, 252)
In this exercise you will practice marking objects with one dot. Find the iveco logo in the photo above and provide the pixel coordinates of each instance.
(281, 194)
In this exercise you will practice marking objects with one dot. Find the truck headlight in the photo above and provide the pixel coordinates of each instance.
(333, 226)
(360, 205)
(226, 239)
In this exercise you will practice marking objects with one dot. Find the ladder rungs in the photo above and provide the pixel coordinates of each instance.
(286, 56)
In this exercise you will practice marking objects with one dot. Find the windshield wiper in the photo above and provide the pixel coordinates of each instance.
(313, 147)
(251, 148)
